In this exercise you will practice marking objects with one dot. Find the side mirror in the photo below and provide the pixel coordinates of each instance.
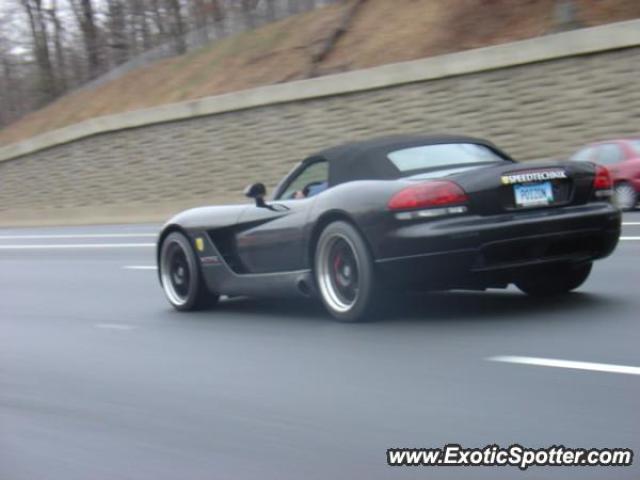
(257, 191)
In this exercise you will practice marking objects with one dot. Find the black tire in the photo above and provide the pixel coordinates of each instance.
(626, 197)
(344, 272)
(555, 280)
(181, 277)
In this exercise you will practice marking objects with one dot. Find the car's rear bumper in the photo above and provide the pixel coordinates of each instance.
(479, 251)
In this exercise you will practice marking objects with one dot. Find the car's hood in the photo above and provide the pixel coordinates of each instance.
(208, 217)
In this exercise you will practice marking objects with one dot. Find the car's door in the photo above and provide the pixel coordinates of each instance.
(272, 239)
(629, 169)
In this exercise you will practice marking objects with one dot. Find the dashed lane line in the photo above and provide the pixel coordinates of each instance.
(114, 326)
(570, 364)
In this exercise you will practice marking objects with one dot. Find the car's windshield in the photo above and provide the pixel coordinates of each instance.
(433, 156)
(635, 144)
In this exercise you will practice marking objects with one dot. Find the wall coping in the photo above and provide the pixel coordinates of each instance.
(549, 47)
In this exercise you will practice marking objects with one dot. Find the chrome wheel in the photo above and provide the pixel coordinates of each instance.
(338, 272)
(176, 273)
(626, 196)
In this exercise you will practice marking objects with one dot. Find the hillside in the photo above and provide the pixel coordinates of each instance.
(380, 32)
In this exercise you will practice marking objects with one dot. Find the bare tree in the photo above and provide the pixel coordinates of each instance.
(271, 10)
(218, 13)
(248, 7)
(10, 89)
(294, 6)
(198, 12)
(72, 41)
(116, 30)
(20, 75)
(84, 12)
(140, 23)
(40, 37)
(159, 18)
(59, 50)
(178, 30)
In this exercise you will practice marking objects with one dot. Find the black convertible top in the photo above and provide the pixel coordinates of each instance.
(367, 160)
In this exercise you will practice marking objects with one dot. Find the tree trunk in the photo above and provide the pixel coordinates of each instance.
(178, 27)
(91, 38)
(10, 94)
(47, 81)
(61, 64)
(159, 19)
(84, 12)
(247, 14)
(119, 43)
(218, 14)
(271, 10)
(200, 18)
(294, 6)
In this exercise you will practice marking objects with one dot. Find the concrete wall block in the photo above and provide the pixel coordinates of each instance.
(537, 110)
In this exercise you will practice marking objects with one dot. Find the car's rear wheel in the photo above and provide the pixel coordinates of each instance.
(626, 196)
(180, 275)
(555, 279)
(344, 272)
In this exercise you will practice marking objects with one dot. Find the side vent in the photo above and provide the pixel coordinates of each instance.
(224, 241)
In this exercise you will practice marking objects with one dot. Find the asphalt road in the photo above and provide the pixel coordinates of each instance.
(101, 379)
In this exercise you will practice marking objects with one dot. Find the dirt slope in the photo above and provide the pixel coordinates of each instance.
(382, 31)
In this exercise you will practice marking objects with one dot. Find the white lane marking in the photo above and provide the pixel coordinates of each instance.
(140, 267)
(629, 238)
(79, 235)
(114, 326)
(630, 223)
(77, 245)
(556, 363)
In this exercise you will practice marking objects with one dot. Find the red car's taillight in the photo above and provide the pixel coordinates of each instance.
(428, 194)
(602, 180)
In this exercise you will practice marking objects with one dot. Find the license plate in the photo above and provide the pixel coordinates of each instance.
(533, 194)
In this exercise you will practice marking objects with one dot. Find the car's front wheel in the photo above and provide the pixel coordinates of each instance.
(344, 272)
(180, 275)
(555, 280)
(625, 196)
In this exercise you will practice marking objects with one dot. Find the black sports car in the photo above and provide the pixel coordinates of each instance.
(405, 212)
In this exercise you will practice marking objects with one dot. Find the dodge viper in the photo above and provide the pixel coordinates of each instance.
(412, 212)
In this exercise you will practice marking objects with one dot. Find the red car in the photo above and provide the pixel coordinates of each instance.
(622, 158)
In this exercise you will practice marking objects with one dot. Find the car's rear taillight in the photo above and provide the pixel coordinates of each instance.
(602, 182)
(439, 197)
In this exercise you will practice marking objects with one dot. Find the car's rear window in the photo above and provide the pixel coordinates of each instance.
(433, 156)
